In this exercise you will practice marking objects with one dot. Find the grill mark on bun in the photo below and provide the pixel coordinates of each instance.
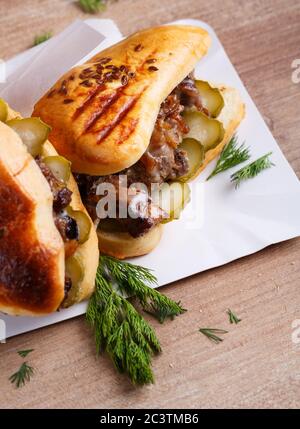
(120, 115)
(108, 103)
(127, 131)
(110, 100)
(91, 95)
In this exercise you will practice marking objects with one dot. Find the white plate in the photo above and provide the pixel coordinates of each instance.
(231, 223)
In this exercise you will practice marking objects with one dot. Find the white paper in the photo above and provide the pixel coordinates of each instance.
(230, 223)
(39, 68)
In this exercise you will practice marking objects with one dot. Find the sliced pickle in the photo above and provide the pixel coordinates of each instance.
(3, 110)
(172, 198)
(208, 131)
(74, 270)
(60, 167)
(211, 98)
(83, 223)
(33, 133)
(195, 154)
(70, 247)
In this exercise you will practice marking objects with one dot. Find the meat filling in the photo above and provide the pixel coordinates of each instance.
(161, 162)
(65, 224)
(62, 196)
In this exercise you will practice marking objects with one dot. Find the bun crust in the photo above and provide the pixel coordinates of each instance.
(104, 128)
(122, 245)
(31, 248)
(32, 257)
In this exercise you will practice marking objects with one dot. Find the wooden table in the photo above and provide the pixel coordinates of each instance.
(258, 365)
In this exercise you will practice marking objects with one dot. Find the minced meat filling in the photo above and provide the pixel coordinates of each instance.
(66, 225)
(62, 196)
(161, 162)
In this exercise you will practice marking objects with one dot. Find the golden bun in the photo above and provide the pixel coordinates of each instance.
(121, 245)
(103, 128)
(32, 263)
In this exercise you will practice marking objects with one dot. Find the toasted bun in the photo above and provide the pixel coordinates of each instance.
(32, 257)
(231, 115)
(121, 245)
(104, 128)
(31, 249)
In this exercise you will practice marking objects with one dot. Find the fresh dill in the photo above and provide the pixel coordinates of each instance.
(232, 155)
(212, 334)
(24, 353)
(252, 170)
(118, 327)
(92, 6)
(41, 38)
(135, 280)
(121, 331)
(24, 374)
(233, 317)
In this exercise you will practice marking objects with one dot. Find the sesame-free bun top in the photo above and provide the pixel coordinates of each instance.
(102, 113)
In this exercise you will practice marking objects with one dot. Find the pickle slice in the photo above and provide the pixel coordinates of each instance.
(83, 223)
(75, 271)
(172, 198)
(208, 131)
(70, 247)
(33, 133)
(211, 98)
(195, 154)
(3, 110)
(60, 167)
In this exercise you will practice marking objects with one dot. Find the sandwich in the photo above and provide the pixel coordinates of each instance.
(48, 246)
(136, 111)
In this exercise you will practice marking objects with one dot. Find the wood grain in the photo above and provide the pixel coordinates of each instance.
(258, 364)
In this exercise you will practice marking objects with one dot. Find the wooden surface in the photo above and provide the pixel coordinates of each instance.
(258, 365)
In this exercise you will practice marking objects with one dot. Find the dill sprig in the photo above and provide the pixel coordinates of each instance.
(233, 318)
(252, 170)
(211, 334)
(24, 353)
(24, 374)
(121, 331)
(41, 38)
(135, 280)
(118, 327)
(231, 156)
(92, 6)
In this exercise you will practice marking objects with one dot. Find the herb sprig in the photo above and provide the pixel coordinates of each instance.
(232, 155)
(24, 353)
(136, 280)
(92, 6)
(23, 375)
(42, 38)
(252, 170)
(118, 328)
(233, 318)
(212, 334)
